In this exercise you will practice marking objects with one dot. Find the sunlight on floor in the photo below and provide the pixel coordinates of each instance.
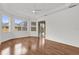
(6, 51)
(19, 49)
(34, 46)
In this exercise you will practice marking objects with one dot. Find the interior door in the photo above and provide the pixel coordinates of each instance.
(41, 33)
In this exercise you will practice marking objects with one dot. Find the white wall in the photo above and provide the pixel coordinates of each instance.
(11, 35)
(0, 29)
(64, 26)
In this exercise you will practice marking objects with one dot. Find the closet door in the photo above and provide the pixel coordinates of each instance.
(41, 33)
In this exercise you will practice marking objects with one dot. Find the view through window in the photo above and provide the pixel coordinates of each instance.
(20, 25)
(5, 24)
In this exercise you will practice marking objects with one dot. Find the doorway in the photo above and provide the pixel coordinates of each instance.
(41, 33)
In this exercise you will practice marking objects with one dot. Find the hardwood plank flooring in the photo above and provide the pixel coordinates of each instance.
(31, 45)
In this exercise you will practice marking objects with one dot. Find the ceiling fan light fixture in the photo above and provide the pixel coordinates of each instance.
(33, 11)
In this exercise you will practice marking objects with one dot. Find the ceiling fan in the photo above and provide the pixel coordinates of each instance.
(36, 11)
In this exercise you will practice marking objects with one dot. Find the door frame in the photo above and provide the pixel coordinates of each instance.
(41, 22)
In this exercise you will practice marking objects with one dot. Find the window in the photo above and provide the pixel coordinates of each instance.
(5, 24)
(20, 25)
(33, 26)
(24, 26)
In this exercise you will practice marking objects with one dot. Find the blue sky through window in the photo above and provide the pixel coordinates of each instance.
(18, 21)
(5, 19)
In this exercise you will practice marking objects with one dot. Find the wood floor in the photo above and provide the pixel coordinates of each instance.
(31, 44)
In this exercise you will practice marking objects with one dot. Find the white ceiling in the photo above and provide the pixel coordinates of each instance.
(25, 9)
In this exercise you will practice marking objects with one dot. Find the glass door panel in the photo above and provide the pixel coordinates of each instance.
(41, 33)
